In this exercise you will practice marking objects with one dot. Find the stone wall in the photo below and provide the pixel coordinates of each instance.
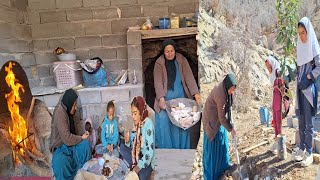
(93, 101)
(15, 37)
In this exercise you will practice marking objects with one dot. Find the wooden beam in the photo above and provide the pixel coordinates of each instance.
(163, 33)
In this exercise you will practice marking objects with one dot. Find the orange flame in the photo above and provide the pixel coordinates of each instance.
(19, 126)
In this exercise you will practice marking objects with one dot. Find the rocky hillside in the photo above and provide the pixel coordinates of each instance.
(237, 36)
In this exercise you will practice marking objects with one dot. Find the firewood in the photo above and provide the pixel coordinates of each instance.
(34, 154)
(255, 146)
(34, 167)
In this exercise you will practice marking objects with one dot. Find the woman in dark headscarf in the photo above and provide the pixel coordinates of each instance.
(70, 151)
(173, 79)
(216, 123)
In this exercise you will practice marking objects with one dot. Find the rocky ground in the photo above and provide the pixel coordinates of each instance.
(260, 162)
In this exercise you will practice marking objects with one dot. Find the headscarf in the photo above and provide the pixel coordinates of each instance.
(170, 64)
(68, 99)
(229, 81)
(274, 66)
(307, 51)
(140, 103)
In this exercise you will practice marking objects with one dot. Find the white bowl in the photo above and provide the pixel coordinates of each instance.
(67, 57)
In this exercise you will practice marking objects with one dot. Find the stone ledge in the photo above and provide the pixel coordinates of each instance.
(94, 100)
(40, 91)
(174, 163)
(125, 86)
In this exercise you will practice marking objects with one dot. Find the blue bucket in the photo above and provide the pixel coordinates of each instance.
(164, 23)
(264, 115)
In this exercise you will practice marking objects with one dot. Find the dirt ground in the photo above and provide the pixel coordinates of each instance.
(258, 161)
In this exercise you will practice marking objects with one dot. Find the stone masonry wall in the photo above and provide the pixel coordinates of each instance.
(15, 37)
(91, 28)
(31, 29)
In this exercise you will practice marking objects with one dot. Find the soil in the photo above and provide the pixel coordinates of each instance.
(259, 162)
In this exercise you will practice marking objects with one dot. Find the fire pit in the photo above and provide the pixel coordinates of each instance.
(19, 122)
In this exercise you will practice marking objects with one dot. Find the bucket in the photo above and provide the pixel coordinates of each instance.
(264, 115)
(164, 23)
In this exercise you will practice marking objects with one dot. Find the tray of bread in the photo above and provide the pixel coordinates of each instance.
(183, 112)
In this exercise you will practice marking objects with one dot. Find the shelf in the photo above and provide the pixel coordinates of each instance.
(163, 33)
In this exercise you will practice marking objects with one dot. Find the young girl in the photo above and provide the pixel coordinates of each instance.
(308, 62)
(140, 142)
(92, 134)
(278, 83)
(109, 132)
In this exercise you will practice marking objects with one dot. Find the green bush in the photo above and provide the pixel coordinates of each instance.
(288, 14)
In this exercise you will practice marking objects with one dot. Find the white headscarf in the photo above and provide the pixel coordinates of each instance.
(307, 51)
(274, 65)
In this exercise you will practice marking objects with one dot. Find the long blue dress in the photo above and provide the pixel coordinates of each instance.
(215, 155)
(167, 134)
(67, 160)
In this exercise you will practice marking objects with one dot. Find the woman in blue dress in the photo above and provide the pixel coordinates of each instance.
(70, 151)
(216, 121)
(173, 79)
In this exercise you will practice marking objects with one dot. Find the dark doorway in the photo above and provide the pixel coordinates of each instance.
(187, 46)
(151, 52)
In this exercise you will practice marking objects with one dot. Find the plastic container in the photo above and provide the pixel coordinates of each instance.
(164, 23)
(174, 22)
(264, 115)
(67, 74)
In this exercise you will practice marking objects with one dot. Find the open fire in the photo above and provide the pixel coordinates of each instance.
(21, 117)
(18, 131)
